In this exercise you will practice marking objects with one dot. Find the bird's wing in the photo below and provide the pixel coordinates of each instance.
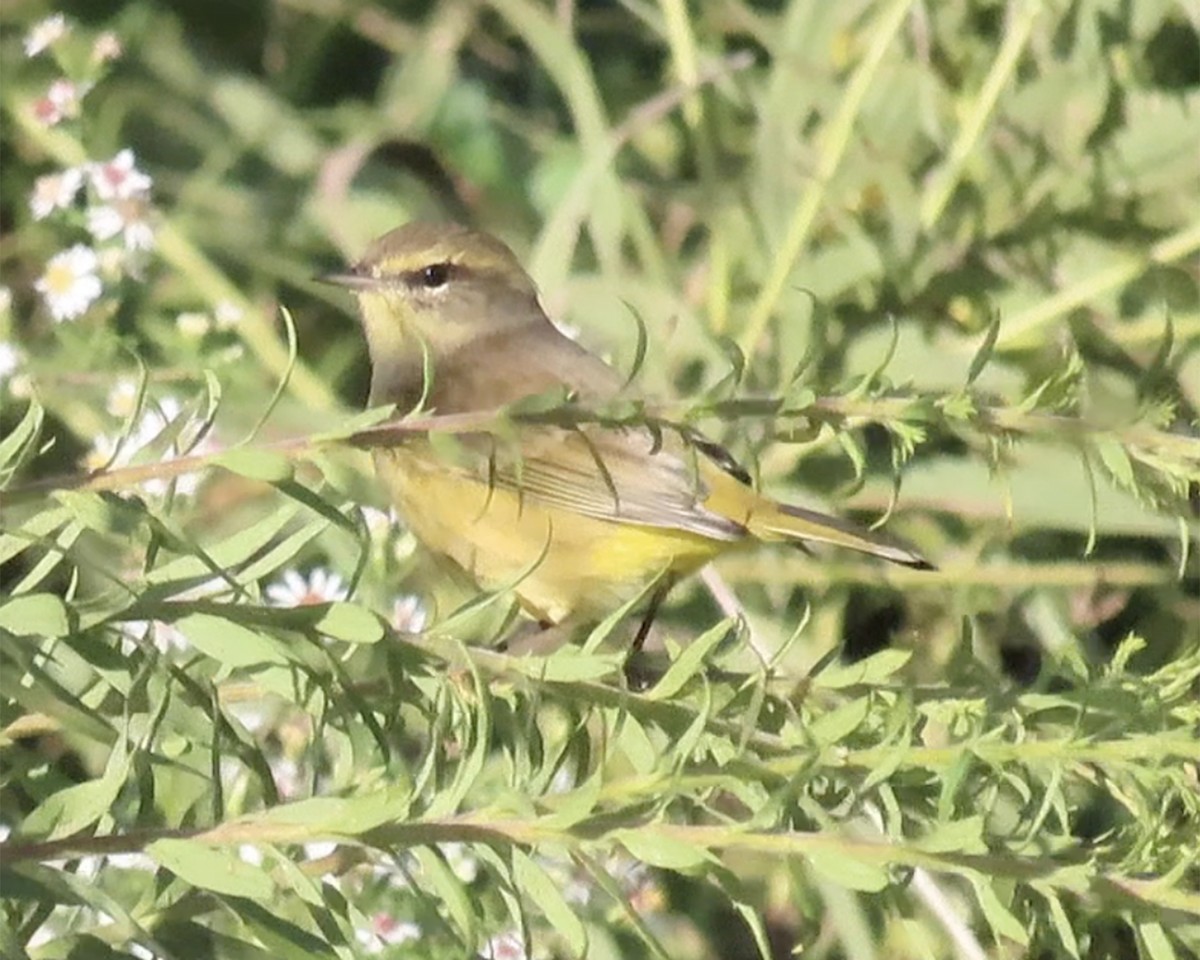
(621, 474)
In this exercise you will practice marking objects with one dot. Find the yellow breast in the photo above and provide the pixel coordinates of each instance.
(559, 563)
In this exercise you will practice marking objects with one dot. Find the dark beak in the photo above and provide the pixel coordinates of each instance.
(351, 281)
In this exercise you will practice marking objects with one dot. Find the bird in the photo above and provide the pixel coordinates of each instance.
(577, 518)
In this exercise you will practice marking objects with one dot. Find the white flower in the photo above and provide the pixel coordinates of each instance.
(505, 946)
(55, 191)
(289, 778)
(409, 614)
(61, 101)
(125, 217)
(228, 315)
(322, 586)
(45, 34)
(10, 360)
(70, 285)
(461, 861)
(106, 48)
(155, 419)
(131, 861)
(371, 945)
(392, 931)
(378, 521)
(163, 636)
(119, 178)
(249, 853)
(193, 324)
(319, 849)
(121, 398)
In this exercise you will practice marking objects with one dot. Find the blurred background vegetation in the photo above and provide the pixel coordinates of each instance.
(949, 250)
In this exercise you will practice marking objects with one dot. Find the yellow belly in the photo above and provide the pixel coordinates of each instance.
(558, 563)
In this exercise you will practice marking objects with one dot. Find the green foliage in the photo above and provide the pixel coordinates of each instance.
(934, 264)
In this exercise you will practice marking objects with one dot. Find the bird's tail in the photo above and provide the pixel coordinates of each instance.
(781, 521)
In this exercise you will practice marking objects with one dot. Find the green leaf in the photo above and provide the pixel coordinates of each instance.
(984, 353)
(339, 816)
(568, 664)
(351, 623)
(209, 868)
(439, 879)
(956, 836)
(71, 809)
(839, 723)
(846, 871)
(543, 892)
(1060, 920)
(230, 553)
(689, 662)
(1155, 940)
(231, 643)
(270, 466)
(870, 671)
(35, 615)
(999, 917)
(651, 846)
(1116, 459)
(14, 446)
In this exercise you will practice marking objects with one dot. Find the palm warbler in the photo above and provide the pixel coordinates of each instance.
(580, 517)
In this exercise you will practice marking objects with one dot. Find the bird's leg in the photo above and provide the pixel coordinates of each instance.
(636, 679)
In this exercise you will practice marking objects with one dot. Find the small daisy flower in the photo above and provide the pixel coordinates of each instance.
(106, 48)
(60, 102)
(321, 586)
(127, 218)
(505, 946)
(70, 284)
(55, 191)
(45, 34)
(409, 614)
(119, 178)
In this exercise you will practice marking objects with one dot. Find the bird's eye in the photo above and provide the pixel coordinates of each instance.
(435, 275)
